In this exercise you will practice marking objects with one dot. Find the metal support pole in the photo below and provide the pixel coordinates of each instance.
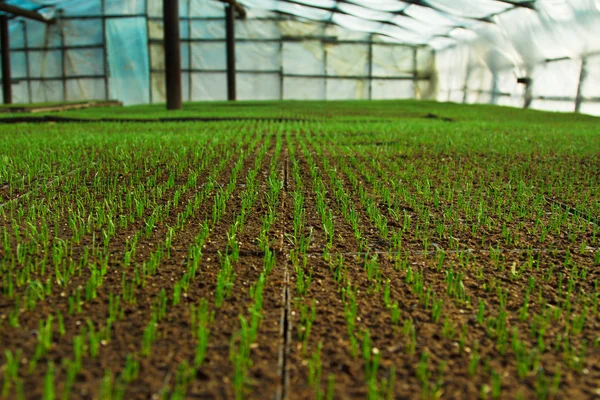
(150, 63)
(325, 70)
(172, 54)
(63, 51)
(105, 51)
(415, 75)
(6, 75)
(230, 29)
(582, 76)
(281, 94)
(27, 61)
(370, 67)
(528, 96)
(494, 97)
(467, 78)
(527, 99)
(189, 44)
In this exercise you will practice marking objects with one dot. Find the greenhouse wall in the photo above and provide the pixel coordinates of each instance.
(553, 46)
(109, 49)
(543, 56)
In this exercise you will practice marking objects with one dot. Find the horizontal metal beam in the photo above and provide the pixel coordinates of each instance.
(551, 60)
(21, 12)
(58, 48)
(548, 98)
(200, 18)
(218, 71)
(524, 4)
(55, 78)
(336, 10)
(157, 18)
(277, 72)
(358, 77)
(287, 39)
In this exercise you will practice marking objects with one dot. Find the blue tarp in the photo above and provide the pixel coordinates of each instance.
(126, 41)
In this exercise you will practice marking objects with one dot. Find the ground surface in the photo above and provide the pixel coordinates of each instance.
(355, 249)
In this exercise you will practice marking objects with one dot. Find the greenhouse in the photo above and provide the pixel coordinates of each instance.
(299, 199)
(538, 54)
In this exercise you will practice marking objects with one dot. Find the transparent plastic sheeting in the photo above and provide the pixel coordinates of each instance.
(268, 67)
(128, 59)
(554, 45)
(472, 50)
(118, 54)
(484, 46)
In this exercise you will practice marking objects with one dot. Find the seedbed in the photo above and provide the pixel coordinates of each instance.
(354, 251)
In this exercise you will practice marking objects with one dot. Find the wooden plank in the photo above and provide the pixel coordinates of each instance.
(61, 107)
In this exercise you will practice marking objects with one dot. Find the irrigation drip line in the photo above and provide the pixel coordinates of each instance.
(52, 182)
(573, 211)
(13, 200)
(79, 169)
(364, 143)
(423, 252)
(258, 253)
(285, 323)
(285, 331)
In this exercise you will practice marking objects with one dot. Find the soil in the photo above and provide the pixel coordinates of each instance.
(457, 356)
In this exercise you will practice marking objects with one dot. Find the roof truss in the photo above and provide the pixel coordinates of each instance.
(336, 9)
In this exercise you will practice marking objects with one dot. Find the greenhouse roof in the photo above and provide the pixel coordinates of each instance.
(412, 21)
(435, 23)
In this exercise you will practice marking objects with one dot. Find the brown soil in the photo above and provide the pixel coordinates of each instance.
(455, 356)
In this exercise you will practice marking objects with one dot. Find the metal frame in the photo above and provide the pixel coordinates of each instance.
(172, 48)
(369, 77)
(27, 60)
(105, 53)
(64, 49)
(582, 77)
(528, 98)
(281, 73)
(5, 56)
(14, 11)
(64, 63)
(277, 72)
(579, 99)
(370, 71)
(189, 47)
(415, 73)
(230, 50)
(422, 3)
(325, 39)
(549, 98)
